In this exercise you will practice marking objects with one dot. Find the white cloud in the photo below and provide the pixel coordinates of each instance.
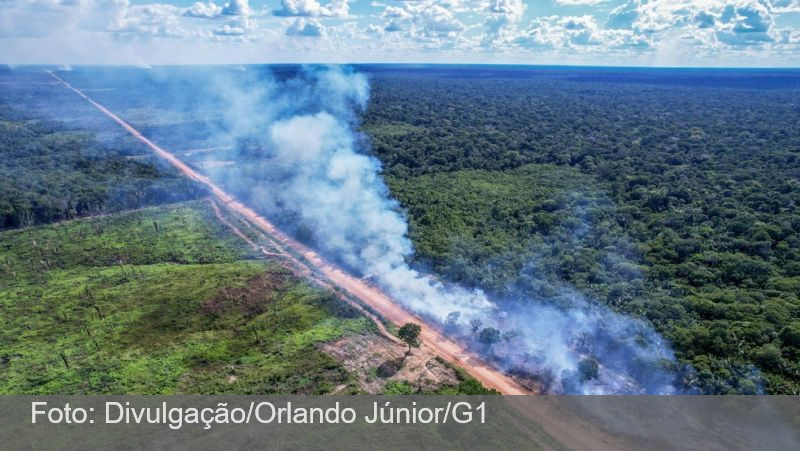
(147, 20)
(579, 2)
(395, 12)
(637, 31)
(506, 11)
(437, 19)
(312, 8)
(512, 8)
(785, 6)
(737, 23)
(393, 26)
(423, 19)
(305, 28)
(746, 24)
(230, 29)
(211, 10)
(239, 26)
(237, 8)
(502, 17)
(203, 10)
(624, 15)
(562, 32)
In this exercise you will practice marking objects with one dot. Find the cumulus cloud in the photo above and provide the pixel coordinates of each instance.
(393, 26)
(560, 32)
(785, 6)
(577, 34)
(709, 22)
(312, 8)
(423, 19)
(305, 28)
(41, 18)
(681, 29)
(203, 10)
(211, 10)
(229, 29)
(236, 27)
(579, 2)
(237, 8)
(437, 20)
(513, 9)
(504, 12)
(149, 20)
(396, 12)
(746, 23)
(624, 15)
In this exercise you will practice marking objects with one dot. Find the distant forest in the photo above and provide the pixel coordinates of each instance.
(56, 167)
(671, 195)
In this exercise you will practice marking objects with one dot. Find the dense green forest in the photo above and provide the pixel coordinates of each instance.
(669, 199)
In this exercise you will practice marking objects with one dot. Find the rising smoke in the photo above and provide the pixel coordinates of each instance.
(318, 177)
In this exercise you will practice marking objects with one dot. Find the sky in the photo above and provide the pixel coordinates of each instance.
(736, 33)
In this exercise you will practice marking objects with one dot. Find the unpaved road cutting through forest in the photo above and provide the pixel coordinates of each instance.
(573, 436)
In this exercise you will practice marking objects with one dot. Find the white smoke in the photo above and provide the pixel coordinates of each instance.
(319, 172)
(339, 194)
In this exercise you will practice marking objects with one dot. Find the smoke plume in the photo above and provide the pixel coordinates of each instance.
(318, 177)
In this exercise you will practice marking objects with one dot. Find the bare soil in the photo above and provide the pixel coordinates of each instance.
(376, 360)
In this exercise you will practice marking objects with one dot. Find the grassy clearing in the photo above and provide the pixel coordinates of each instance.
(157, 301)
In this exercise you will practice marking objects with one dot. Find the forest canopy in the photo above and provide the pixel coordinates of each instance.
(667, 194)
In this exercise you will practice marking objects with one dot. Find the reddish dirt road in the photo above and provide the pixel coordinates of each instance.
(367, 294)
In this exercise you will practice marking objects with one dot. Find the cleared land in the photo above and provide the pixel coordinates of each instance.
(161, 300)
(166, 300)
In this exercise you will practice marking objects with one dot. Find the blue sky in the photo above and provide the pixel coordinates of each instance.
(589, 32)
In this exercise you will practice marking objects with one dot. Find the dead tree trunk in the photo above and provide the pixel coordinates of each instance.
(64, 358)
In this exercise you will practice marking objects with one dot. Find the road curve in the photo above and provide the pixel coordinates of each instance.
(369, 295)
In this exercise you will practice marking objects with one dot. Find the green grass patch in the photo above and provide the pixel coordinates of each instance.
(159, 301)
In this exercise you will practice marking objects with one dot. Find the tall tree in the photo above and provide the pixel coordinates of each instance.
(409, 333)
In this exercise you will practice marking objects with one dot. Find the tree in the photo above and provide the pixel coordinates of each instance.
(409, 333)
(475, 325)
(511, 335)
(451, 323)
(791, 334)
(489, 336)
(589, 369)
